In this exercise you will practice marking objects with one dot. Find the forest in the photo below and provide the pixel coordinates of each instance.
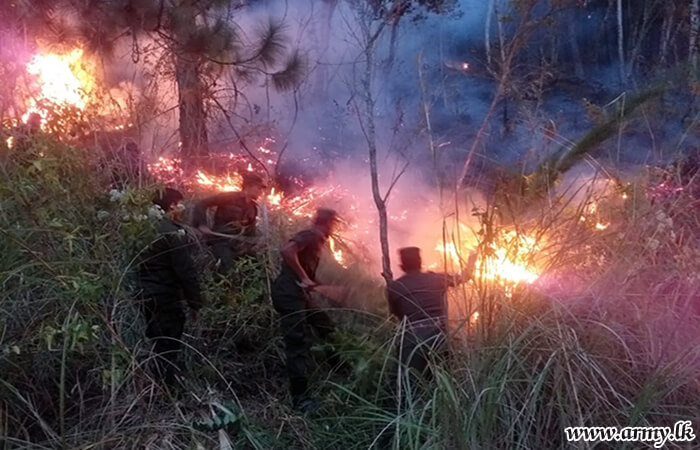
(179, 178)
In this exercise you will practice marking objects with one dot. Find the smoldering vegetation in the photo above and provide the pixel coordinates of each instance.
(522, 131)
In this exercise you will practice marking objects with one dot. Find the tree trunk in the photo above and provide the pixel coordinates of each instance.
(487, 33)
(666, 28)
(327, 10)
(694, 31)
(639, 35)
(193, 121)
(392, 44)
(501, 38)
(621, 44)
(370, 135)
(575, 51)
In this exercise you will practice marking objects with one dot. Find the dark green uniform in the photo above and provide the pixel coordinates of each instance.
(166, 279)
(420, 298)
(291, 302)
(235, 215)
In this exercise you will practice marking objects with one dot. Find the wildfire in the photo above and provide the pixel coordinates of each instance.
(507, 262)
(274, 198)
(337, 253)
(227, 183)
(61, 79)
(301, 204)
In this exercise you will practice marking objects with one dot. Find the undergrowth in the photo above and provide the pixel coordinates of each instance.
(608, 337)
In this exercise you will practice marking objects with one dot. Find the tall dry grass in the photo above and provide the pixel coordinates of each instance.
(607, 335)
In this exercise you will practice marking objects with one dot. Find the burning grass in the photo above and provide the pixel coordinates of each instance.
(60, 91)
(597, 327)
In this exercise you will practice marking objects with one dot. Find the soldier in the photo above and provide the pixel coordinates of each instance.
(236, 213)
(290, 297)
(420, 298)
(166, 276)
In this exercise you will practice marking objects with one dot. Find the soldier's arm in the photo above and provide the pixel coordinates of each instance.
(199, 215)
(185, 269)
(467, 273)
(393, 300)
(290, 254)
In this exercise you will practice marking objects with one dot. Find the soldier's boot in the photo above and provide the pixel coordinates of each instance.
(301, 400)
(337, 363)
(306, 404)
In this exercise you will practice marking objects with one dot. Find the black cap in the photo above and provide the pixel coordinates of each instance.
(409, 252)
(325, 216)
(410, 258)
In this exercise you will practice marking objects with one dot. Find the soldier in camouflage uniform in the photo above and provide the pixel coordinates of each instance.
(236, 214)
(290, 297)
(166, 280)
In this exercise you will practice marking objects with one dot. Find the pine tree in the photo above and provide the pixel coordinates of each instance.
(199, 38)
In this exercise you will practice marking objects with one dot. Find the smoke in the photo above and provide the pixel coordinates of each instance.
(431, 92)
(419, 215)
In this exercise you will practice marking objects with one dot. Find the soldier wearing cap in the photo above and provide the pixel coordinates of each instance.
(419, 298)
(290, 297)
(235, 217)
(166, 281)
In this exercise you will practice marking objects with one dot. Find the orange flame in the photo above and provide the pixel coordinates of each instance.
(337, 253)
(62, 79)
(274, 198)
(508, 262)
(231, 182)
(302, 204)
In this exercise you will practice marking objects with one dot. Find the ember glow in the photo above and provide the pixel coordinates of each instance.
(301, 204)
(227, 183)
(474, 318)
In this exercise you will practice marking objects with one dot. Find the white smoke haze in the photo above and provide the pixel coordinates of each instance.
(318, 123)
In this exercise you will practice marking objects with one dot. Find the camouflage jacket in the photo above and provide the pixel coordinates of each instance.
(167, 270)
